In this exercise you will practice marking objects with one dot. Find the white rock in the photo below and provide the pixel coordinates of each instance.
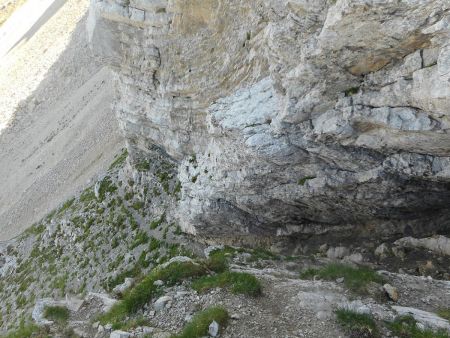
(213, 329)
(122, 288)
(382, 250)
(119, 334)
(178, 259)
(161, 303)
(426, 318)
(391, 292)
(338, 252)
(158, 283)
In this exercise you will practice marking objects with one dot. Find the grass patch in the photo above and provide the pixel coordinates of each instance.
(66, 206)
(143, 166)
(351, 91)
(406, 327)
(58, 314)
(26, 331)
(355, 279)
(120, 160)
(357, 324)
(143, 292)
(444, 313)
(141, 238)
(106, 186)
(199, 325)
(238, 282)
(156, 223)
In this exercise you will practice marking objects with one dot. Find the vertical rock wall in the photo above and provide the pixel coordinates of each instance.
(289, 118)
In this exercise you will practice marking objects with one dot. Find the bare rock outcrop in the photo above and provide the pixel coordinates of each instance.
(288, 118)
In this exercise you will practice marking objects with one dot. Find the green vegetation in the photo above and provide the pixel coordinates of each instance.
(120, 160)
(133, 323)
(406, 327)
(357, 324)
(26, 331)
(351, 91)
(156, 223)
(303, 180)
(143, 166)
(141, 238)
(58, 314)
(66, 206)
(143, 292)
(444, 313)
(106, 186)
(355, 278)
(238, 282)
(199, 325)
(138, 205)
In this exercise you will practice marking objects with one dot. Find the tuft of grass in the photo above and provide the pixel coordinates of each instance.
(303, 180)
(351, 91)
(355, 278)
(357, 324)
(66, 206)
(406, 327)
(58, 314)
(444, 313)
(143, 292)
(141, 238)
(199, 325)
(238, 282)
(120, 160)
(156, 223)
(143, 166)
(106, 186)
(25, 331)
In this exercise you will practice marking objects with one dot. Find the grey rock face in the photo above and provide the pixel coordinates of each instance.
(288, 118)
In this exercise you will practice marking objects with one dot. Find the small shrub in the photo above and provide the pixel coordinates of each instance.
(406, 327)
(356, 279)
(199, 325)
(238, 282)
(26, 331)
(357, 324)
(138, 205)
(58, 314)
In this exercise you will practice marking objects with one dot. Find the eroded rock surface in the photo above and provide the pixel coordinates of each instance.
(288, 118)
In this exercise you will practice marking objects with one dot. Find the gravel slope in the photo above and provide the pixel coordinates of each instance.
(57, 130)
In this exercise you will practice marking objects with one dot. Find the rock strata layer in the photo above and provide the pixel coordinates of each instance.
(288, 118)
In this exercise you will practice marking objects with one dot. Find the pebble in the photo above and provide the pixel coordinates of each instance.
(213, 329)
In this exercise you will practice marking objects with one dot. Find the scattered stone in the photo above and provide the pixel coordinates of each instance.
(382, 251)
(235, 316)
(147, 329)
(177, 259)
(161, 303)
(323, 248)
(126, 285)
(119, 334)
(213, 329)
(338, 252)
(354, 258)
(340, 280)
(158, 283)
(391, 292)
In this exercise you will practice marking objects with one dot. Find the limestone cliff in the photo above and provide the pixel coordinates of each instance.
(288, 117)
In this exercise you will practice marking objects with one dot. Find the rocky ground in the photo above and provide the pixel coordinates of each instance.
(89, 255)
